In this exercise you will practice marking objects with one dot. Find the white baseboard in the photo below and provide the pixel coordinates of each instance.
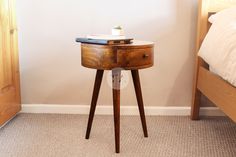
(108, 110)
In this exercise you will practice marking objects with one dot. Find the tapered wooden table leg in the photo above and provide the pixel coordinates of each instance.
(96, 89)
(116, 76)
(137, 86)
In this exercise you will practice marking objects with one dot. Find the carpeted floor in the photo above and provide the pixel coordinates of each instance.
(44, 135)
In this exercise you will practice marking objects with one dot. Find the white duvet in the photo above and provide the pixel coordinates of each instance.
(219, 47)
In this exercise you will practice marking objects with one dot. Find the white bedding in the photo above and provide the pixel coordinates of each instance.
(219, 47)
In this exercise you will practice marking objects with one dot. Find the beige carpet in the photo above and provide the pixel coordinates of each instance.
(41, 135)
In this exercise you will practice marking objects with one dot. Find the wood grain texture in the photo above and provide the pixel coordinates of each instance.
(206, 7)
(196, 94)
(96, 89)
(139, 97)
(218, 91)
(9, 64)
(116, 79)
(137, 55)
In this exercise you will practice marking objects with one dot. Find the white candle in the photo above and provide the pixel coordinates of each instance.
(117, 31)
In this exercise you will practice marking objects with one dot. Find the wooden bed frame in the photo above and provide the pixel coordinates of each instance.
(221, 93)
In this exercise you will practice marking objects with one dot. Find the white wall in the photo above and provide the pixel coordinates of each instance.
(51, 70)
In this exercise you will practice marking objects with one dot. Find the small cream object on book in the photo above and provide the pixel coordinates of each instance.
(106, 37)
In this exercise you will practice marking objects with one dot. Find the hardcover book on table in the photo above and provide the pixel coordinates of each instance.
(105, 39)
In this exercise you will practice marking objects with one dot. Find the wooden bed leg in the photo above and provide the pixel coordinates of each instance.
(196, 104)
(196, 98)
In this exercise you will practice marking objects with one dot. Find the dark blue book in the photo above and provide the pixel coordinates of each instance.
(104, 41)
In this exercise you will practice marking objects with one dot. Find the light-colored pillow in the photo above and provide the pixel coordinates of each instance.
(219, 47)
(225, 14)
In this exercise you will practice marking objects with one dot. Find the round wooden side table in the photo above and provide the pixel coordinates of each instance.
(135, 56)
